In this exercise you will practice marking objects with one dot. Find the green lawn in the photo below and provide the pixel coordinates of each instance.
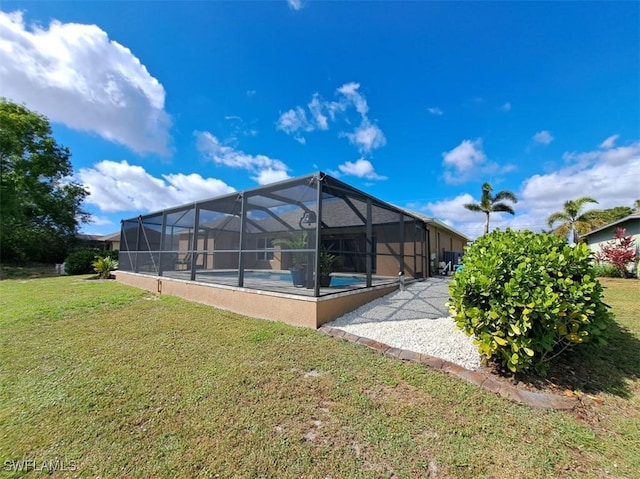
(122, 383)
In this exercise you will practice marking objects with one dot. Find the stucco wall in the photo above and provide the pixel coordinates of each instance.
(297, 311)
(441, 240)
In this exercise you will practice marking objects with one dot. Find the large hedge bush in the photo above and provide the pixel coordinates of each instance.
(528, 297)
(81, 261)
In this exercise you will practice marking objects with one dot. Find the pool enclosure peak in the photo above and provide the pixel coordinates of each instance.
(312, 235)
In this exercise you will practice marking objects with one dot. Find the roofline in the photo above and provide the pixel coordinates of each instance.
(436, 221)
(632, 216)
(318, 175)
(444, 225)
(111, 236)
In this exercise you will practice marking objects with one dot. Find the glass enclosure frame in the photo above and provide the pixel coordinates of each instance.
(313, 235)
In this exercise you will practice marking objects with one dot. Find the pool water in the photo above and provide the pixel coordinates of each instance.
(286, 277)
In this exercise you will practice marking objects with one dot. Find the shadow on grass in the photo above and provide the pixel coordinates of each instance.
(593, 369)
(28, 271)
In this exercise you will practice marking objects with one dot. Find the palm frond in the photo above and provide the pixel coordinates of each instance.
(503, 207)
(506, 195)
(585, 199)
(558, 216)
(473, 207)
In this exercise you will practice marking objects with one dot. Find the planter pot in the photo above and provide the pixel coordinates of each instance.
(325, 281)
(298, 276)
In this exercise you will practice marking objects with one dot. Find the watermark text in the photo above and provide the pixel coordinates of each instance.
(40, 465)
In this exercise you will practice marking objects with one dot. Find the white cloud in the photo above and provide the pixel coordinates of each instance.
(466, 155)
(543, 137)
(75, 75)
(361, 168)
(467, 161)
(315, 107)
(435, 111)
(251, 92)
(99, 221)
(611, 176)
(453, 212)
(366, 137)
(353, 96)
(261, 166)
(609, 142)
(270, 175)
(506, 107)
(295, 4)
(238, 128)
(293, 120)
(471, 223)
(120, 186)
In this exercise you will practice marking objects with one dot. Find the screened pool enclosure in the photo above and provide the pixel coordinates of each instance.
(310, 236)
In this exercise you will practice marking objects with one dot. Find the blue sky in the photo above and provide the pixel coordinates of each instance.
(417, 103)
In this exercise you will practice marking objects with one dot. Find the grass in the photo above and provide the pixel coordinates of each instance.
(128, 384)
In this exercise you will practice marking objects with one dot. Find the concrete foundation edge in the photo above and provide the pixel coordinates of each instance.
(287, 308)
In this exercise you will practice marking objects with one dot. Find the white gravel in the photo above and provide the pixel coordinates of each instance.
(415, 319)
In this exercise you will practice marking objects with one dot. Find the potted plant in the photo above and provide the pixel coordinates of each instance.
(327, 261)
(298, 268)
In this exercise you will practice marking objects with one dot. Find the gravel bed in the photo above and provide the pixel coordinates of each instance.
(415, 319)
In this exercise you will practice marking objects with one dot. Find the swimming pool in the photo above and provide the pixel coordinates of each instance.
(282, 276)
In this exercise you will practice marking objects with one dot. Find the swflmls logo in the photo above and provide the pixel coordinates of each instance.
(27, 465)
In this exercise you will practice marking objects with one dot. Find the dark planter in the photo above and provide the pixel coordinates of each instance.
(325, 280)
(298, 276)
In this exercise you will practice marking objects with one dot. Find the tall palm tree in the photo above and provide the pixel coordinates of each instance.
(574, 222)
(489, 203)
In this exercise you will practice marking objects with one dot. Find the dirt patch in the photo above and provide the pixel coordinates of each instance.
(401, 393)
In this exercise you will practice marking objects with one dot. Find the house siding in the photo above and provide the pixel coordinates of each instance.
(631, 226)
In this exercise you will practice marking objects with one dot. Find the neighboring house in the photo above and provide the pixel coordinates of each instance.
(110, 242)
(600, 236)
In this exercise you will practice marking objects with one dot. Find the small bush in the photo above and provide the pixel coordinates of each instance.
(527, 297)
(104, 266)
(606, 271)
(81, 261)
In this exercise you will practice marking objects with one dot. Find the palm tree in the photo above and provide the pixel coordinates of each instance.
(574, 223)
(489, 203)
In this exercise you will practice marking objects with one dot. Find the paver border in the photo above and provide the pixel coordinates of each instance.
(477, 378)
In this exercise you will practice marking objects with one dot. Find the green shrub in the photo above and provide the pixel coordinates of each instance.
(104, 266)
(527, 297)
(81, 261)
(606, 271)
